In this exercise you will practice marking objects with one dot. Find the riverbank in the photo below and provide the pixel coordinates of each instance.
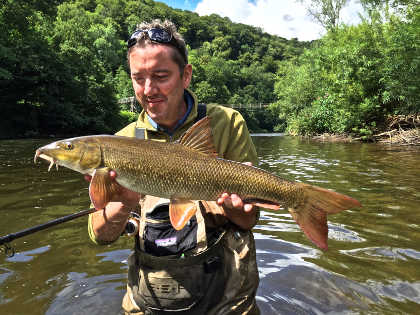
(401, 129)
(397, 129)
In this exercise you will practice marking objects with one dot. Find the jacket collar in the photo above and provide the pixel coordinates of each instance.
(145, 122)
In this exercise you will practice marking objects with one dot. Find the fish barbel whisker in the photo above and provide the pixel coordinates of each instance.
(47, 158)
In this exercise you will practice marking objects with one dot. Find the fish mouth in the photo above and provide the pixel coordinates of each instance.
(50, 159)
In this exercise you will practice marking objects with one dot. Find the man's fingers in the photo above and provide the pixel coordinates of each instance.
(112, 174)
(222, 198)
(248, 207)
(236, 201)
(233, 202)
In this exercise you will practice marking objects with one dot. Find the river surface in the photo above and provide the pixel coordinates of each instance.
(372, 265)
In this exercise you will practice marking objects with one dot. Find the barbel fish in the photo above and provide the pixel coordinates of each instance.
(189, 170)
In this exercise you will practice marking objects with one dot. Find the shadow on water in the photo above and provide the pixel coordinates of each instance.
(372, 265)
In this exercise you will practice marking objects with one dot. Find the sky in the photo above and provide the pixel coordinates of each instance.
(285, 18)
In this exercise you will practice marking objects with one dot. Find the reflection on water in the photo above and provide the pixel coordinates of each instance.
(372, 265)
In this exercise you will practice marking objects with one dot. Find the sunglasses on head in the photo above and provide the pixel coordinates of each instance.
(155, 35)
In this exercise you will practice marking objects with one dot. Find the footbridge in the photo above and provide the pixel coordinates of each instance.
(135, 107)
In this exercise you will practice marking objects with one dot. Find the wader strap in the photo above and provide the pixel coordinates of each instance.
(201, 230)
(201, 112)
(142, 225)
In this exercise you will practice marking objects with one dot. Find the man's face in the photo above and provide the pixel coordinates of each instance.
(158, 83)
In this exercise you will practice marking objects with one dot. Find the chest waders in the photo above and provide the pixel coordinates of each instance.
(185, 283)
(209, 271)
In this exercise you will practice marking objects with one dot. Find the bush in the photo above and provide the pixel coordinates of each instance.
(323, 116)
(126, 117)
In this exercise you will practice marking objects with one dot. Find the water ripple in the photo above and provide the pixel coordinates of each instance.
(383, 253)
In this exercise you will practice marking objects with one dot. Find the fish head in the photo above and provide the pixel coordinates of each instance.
(82, 154)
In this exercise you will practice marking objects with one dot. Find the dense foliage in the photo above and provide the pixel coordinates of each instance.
(353, 77)
(63, 67)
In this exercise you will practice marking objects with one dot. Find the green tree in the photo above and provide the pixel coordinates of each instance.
(325, 12)
(27, 63)
(353, 78)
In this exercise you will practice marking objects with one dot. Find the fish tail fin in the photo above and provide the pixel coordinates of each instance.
(312, 214)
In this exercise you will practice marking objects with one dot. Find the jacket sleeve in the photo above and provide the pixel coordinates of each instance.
(92, 235)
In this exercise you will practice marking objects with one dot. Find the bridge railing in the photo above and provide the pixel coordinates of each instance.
(132, 101)
(247, 106)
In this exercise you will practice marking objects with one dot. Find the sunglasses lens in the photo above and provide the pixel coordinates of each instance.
(131, 42)
(159, 35)
(155, 34)
(133, 38)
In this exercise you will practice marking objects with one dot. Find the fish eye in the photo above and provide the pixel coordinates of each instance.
(68, 145)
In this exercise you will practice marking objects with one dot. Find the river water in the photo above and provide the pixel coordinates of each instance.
(372, 265)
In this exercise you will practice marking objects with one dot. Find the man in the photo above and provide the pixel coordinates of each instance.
(208, 267)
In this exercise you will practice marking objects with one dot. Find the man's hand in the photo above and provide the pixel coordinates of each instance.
(234, 203)
(110, 223)
(240, 213)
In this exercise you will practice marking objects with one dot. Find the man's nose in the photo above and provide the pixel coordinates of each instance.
(149, 87)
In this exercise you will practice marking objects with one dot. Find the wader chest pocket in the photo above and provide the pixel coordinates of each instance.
(181, 284)
(161, 239)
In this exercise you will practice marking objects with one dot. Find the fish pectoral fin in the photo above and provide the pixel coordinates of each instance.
(181, 211)
(102, 188)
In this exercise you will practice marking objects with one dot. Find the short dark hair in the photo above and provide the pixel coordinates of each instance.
(180, 55)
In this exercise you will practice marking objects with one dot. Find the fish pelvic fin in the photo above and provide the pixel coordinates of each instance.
(199, 138)
(180, 212)
(102, 188)
(311, 215)
(262, 203)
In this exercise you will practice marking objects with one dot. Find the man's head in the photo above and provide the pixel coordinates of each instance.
(160, 72)
(163, 33)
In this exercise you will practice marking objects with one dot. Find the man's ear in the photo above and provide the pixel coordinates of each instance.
(187, 75)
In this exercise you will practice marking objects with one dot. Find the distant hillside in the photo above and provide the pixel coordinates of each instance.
(63, 65)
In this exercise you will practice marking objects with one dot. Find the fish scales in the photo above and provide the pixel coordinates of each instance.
(175, 171)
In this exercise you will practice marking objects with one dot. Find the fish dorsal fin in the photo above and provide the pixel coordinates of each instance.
(198, 137)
